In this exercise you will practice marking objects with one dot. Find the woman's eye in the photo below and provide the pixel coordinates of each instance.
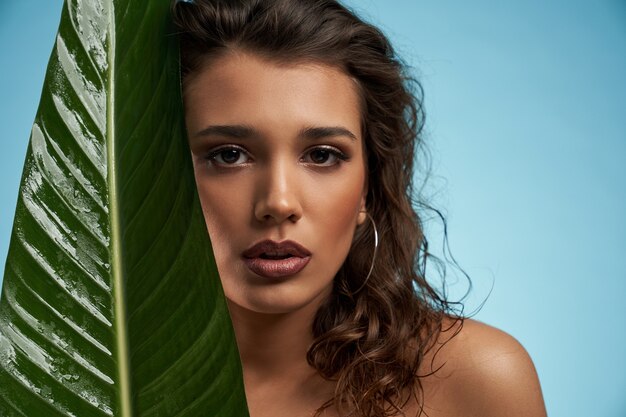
(325, 156)
(228, 156)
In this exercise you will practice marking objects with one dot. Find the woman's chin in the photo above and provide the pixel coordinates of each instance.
(276, 301)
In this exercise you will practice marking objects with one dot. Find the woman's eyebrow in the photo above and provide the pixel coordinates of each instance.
(230, 131)
(244, 132)
(325, 131)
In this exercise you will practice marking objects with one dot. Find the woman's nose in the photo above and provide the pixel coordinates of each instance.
(277, 198)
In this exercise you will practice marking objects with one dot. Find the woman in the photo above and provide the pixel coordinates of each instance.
(303, 125)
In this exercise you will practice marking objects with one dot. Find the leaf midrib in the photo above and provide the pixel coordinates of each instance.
(119, 302)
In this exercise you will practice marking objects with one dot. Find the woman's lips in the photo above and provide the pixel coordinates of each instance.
(276, 268)
(276, 259)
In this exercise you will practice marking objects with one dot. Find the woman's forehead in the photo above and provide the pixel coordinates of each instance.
(249, 88)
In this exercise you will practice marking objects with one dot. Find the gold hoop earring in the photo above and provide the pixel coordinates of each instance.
(373, 256)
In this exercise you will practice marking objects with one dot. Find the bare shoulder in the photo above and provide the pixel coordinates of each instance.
(477, 370)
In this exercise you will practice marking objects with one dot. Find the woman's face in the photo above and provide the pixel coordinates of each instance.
(279, 163)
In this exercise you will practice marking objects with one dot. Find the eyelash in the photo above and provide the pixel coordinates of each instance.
(334, 152)
(211, 157)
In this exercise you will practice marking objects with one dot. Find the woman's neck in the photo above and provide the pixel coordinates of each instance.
(277, 377)
(273, 346)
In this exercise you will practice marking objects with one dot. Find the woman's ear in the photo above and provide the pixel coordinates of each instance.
(361, 219)
(362, 211)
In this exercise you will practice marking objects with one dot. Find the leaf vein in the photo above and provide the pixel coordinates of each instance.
(32, 322)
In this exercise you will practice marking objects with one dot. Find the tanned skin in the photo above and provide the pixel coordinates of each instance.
(267, 181)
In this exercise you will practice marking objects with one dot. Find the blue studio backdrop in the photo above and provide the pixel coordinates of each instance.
(526, 125)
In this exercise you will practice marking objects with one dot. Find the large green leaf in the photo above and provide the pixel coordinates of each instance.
(111, 303)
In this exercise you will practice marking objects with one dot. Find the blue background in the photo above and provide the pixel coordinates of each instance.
(526, 122)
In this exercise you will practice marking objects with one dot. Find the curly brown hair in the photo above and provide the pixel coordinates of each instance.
(370, 336)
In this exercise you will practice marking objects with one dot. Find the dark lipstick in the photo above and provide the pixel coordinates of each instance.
(276, 259)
